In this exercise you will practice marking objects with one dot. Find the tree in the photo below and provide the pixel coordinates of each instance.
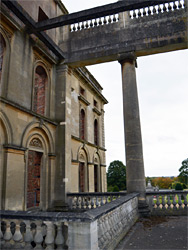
(116, 175)
(162, 182)
(183, 176)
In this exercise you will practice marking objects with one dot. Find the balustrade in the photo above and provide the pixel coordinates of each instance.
(168, 201)
(136, 13)
(157, 9)
(84, 201)
(95, 22)
(26, 234)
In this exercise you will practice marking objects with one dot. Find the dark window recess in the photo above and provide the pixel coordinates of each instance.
(42, 15)
(95, 132)
(82, 91)
(82, 124)
(95, 103)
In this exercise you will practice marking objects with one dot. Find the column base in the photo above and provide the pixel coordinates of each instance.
(59, 206)
(143, 208)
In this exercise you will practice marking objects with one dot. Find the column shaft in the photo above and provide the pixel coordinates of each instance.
(133, 138)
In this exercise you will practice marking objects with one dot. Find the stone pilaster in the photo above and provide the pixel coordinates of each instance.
(133, 137)
(63, 136)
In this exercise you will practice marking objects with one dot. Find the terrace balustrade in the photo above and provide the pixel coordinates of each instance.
(169, 202)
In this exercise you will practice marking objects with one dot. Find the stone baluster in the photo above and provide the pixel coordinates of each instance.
(114, 18)
(164, 7)
(163, 202)
(92, 202)
(134, 14)
(185, 200)
(74, 28)
(83, 25)
(174, 202)
(105, 21)
(158, 202)
(7, 236)
(49, 240)
(144, 11)
(65, 235)
(154, 10)
(100, 21)
(2, 242)
(87, 25)
(17, 237)
(179, 5)
(82, 202)
(168, 202)
(28, 236)
(91, 23)
(174, 6)
(109, 19)
(139, 13)
(95, 22)
(78, 26)
(97, 201)
(59, 240)
(169, 7)
(180, 201)
(77, 202)
(38, 238)
(102, 202)
(149, 10)
(159, 9)
(87, 202)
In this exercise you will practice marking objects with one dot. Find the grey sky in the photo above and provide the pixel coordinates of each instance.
(163, 96)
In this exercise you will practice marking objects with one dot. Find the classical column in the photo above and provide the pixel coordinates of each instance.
(63, 136)
(133, 137)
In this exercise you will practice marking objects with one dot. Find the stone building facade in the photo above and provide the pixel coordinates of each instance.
(51, 118)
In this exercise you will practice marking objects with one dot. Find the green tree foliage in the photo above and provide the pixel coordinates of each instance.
(116, 175)
(183, 176)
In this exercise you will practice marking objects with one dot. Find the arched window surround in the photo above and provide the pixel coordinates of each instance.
(6, 62)
(40, 63)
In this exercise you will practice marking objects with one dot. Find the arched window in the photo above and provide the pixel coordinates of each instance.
(2, 52)
(95, 132)
(41, 81)
(82, 124)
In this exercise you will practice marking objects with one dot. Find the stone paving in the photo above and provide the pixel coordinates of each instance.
(157, 233)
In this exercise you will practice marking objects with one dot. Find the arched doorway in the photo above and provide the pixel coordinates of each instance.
(35, 155)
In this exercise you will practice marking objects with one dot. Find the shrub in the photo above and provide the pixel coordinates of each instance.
(178, 186)
(115, 189)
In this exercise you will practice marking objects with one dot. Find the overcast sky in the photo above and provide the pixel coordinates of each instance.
(162, 82)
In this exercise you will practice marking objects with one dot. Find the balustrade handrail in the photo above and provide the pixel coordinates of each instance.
(162, 192)
(98, 194)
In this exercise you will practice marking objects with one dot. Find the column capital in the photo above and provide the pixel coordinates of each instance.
(61, 68)
(127, 57)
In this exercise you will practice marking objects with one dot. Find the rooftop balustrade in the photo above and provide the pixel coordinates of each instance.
(136, 13)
